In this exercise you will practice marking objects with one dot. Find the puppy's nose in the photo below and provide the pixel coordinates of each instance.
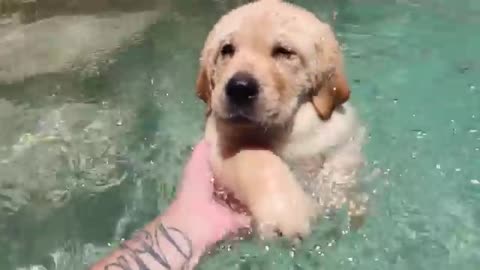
(242, 89)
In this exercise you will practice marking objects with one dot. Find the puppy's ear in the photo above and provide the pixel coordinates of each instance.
(331, 87)
(203, 86)
(332, 91)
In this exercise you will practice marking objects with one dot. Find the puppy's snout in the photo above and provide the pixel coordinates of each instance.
(242, 89)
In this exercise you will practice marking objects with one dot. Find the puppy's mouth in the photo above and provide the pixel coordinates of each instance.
(239, 117)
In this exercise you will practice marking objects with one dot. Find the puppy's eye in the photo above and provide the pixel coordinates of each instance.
(227, 50)
(281, 51)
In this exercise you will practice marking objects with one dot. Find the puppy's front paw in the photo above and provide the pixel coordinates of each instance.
(288, 213)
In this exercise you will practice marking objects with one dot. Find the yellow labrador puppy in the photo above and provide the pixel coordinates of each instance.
(284, 139)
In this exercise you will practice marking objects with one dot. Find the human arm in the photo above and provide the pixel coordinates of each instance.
(193, 223)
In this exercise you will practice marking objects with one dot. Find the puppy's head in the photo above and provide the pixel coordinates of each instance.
(265, 58)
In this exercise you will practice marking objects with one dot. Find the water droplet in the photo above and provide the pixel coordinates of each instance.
(414, 155)
(472, 87)
(420, 134)
(152, 81)
(350, 259)
(292, 253)
(475, 182)
(395, 101)
(473, 131)
(458, 169)
(438, 166)
(119, 123)
(267, 247)
(166, 94)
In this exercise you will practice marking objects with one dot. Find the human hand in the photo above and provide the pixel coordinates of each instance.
(195, 199)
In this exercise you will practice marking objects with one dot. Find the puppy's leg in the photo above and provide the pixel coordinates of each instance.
(264, 183)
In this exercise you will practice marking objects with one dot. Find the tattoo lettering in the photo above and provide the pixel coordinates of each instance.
(121, 264)
(143, 245)
(187, 254)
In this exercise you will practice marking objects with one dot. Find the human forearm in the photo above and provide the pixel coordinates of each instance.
(175, 240)
(192, 223)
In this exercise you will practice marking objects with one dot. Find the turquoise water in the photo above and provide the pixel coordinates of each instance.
(86, 158)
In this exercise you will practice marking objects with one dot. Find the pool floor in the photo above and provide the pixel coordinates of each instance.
(88, 157)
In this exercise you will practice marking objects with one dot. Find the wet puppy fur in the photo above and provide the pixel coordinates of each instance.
(278, 119)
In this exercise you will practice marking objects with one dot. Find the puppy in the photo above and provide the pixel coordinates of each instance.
(284, 138)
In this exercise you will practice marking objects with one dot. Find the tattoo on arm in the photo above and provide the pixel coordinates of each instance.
(145, 246)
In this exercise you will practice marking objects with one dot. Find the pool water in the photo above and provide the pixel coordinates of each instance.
(91, 153)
